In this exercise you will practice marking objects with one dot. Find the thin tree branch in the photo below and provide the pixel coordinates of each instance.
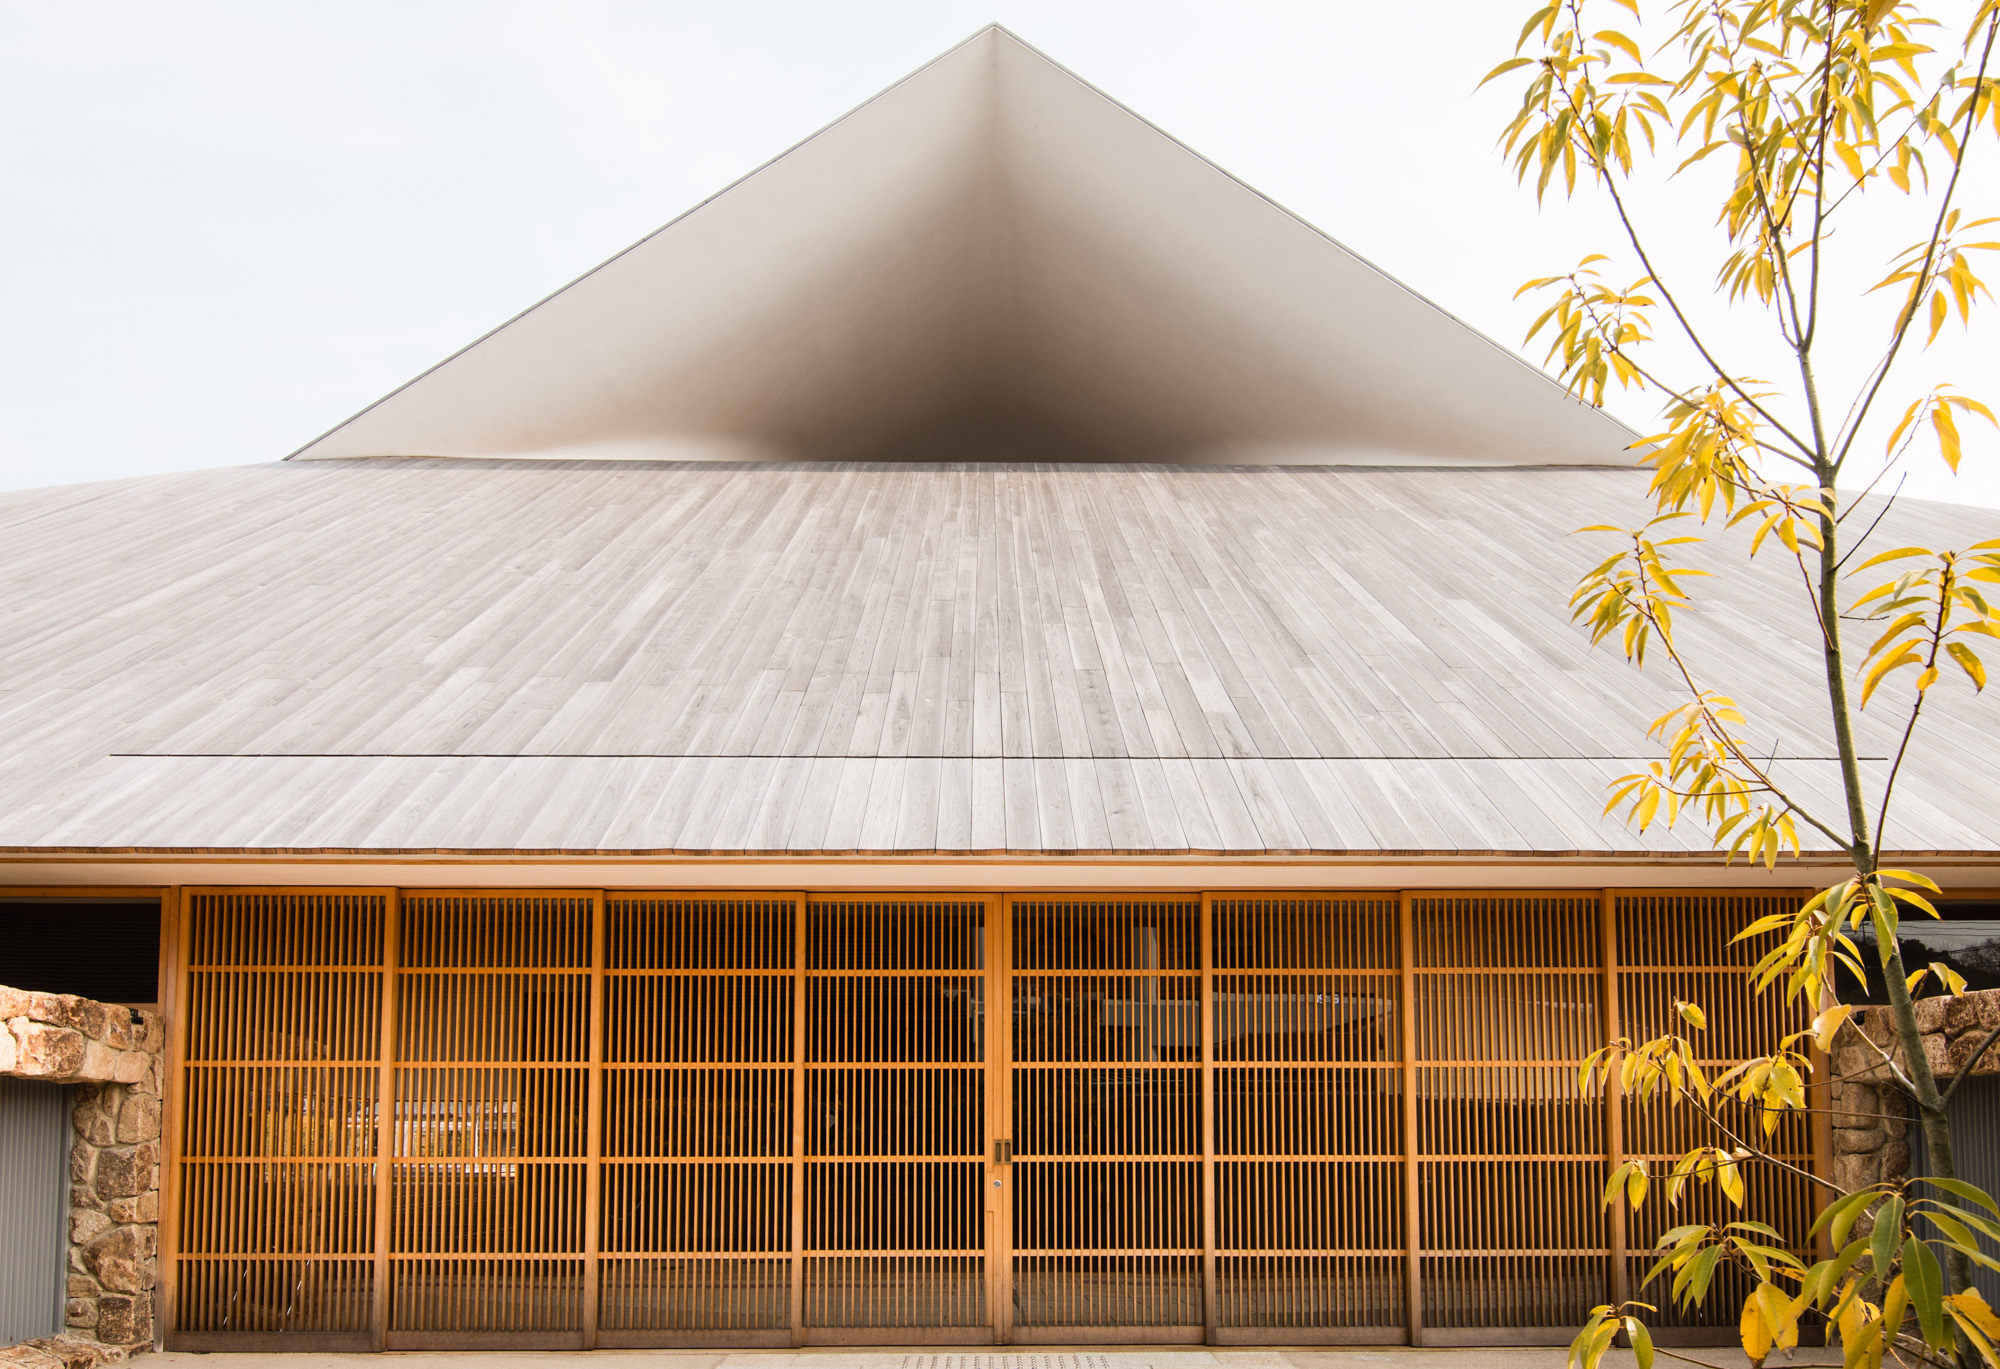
(1902, 332)
(1916, 710)
(1965, 1070)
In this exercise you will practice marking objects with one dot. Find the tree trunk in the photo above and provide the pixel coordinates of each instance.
(1931, 1115)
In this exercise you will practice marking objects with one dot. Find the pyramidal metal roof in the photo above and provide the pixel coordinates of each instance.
(989, 260)
(1121, 516)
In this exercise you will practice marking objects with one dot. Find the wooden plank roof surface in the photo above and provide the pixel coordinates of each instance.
(456, 655)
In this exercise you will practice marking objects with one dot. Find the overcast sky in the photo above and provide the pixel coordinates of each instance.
(228, 226)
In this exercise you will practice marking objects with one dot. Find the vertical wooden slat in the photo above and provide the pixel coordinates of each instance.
(1413, 1270)
(593, 1143)
(1614, 1102)
(172, 989)
(385, 1118)
(797, 1301)
(1206, 989)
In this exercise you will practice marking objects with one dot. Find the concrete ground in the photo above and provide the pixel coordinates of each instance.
(1037, 1357)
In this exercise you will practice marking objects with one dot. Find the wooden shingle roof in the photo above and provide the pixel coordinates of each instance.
(510, 656)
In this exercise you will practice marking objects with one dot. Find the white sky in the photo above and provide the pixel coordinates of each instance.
(229, 225)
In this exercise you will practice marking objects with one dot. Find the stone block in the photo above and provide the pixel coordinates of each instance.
(153, 1037)
(100, 1062)
(1929, 1012)
(82, 1162)
(82, 1286)
(120, 1032)
(83, 1198)
(124, 1243)
(91, 1120)
(1853, 1141)
(1855, 1171)
(139, 1118)
(19, 1002)
(124, 1319)
(125, 1276)
(1977, 1012)
(1895, 1160)
(9, 1050)
(55, 1009)
(45, 1052)
(142, 1209)
(1959, 1055)
(80, 1312)
(130, 1067)
(89, 1016)
(127, 1171)
(87, 1226)
(82, 1354)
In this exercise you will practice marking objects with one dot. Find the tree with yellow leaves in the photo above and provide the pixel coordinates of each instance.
(1820, 108)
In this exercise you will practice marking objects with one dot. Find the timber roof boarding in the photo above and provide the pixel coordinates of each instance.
(988, 474)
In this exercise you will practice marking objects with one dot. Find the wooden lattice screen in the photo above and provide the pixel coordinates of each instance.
(653, 1119)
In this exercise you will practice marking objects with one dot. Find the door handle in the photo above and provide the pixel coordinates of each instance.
(1003, 1152)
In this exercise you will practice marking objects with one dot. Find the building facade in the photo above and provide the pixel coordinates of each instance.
(976, 742)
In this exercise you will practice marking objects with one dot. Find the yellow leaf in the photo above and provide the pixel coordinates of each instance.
(1971, 1304)
(1757, 1341)
(1969, 662)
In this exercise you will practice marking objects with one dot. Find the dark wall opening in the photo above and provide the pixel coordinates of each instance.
(102, 949)
(1965, 937)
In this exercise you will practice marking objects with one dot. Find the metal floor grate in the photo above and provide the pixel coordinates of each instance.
(1006, 1362)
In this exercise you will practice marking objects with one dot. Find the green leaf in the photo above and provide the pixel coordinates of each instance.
(1843, 1213)
(1924, 1282)
(1969, 1192)
(1642, 1342)
(1888, 1231)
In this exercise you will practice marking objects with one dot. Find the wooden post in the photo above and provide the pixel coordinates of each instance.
(172, 989)
(593, 1134)
(999, 957)
(385, 1114)
(798, 1284)
(1413, 1270)
(1210, 1312)
(1614, 1103)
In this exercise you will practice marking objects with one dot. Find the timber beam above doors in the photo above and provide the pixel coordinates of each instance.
(106, 871)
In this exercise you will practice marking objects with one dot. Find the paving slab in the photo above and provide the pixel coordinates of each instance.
(1039, 1357)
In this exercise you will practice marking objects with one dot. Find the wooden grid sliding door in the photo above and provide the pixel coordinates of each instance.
(895, 1231)
(491, 1165)
(1674, 946)
(700, 1151)
(1509, 1160)
(571, 1119)
(1305, 1013)
(1106, 1114)
(279, 1113)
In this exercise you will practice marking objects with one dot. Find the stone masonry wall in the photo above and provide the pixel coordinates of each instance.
(112, 1058)
(1871, 1124)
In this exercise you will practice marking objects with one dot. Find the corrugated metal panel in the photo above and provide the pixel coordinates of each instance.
(1975, 1145)
(34, 1171)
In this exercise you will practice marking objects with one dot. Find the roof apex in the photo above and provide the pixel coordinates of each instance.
(989, 259)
